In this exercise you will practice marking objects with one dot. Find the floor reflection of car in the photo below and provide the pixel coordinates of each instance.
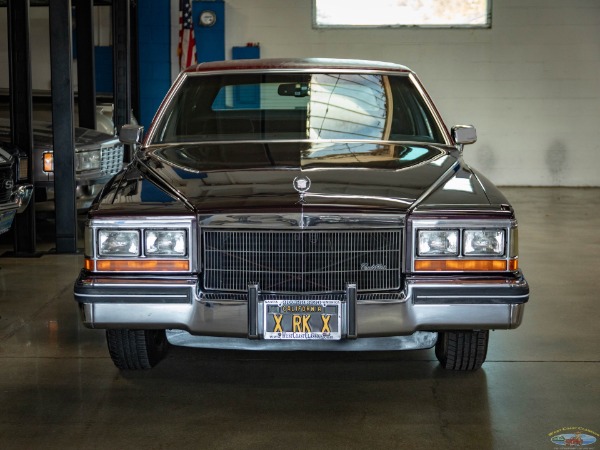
(300, 205)
(98, 156)
(15, 192)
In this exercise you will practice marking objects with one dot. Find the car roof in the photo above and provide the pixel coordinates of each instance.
(298, 64)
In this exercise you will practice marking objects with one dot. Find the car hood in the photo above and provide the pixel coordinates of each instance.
(42, 135)
(226, 183)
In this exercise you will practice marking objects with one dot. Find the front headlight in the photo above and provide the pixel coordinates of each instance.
(160, 244)
(89, 160)
(477, 245)
(165, 243)
(437, 242)
(483, 243)
(118, 243)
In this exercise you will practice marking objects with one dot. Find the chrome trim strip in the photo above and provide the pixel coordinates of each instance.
(400, 72)
(253, 311)
(301, 141)
(144, 295)
(475, 296)
(302, 219)
(351, 310)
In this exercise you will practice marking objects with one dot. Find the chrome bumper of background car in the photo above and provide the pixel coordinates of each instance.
(178, 304)
(85, 193)
(19, 199)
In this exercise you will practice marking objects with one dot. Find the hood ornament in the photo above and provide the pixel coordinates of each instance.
(302, 185)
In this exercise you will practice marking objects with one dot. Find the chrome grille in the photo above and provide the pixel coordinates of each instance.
(302, 261)
(112, 159)
(6, 184)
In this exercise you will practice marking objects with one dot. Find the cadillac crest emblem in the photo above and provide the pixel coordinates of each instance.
(302, 184)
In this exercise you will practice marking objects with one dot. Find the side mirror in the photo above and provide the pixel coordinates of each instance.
(464, 134)
(131, 134)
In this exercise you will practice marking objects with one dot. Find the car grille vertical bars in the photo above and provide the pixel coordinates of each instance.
(302, 261)
(6, 184)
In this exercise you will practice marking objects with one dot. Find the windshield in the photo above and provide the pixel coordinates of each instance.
(275, 106)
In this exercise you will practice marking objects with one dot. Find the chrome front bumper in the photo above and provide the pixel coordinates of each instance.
(19, 199)
(425, 304)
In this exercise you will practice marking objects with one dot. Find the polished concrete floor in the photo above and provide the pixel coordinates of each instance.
(60, 390)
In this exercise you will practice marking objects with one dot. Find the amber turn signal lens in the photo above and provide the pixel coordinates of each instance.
(462, 265)
(123, 265)
(48, 162)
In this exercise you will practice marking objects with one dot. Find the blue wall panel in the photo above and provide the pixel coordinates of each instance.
(154, 55)
(210, 41)
(103, 57)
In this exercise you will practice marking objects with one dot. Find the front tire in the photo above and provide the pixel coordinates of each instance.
(462, 350)
(136, 349)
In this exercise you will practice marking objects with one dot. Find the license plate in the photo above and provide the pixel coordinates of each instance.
(302, 319)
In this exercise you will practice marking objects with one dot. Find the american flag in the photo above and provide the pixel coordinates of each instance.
(187, 42)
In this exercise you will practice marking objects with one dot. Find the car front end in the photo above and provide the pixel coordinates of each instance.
(15, 192)
(308, 220)
(98, 157)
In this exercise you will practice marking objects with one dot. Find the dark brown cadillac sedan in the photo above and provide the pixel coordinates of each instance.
(312, 204)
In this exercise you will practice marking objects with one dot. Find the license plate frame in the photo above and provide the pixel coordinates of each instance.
(281, 322)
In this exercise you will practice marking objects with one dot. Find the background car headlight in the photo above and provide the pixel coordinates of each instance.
(483, 243)
(87, 160)
(23, 168)
(437, 242)
(118, 243)
(165, 243)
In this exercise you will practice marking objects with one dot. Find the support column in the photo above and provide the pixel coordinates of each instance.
(122, 64)
(86, 74)
(63, 126)
(21, 112)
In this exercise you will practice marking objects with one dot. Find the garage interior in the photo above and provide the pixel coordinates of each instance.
(530, 83)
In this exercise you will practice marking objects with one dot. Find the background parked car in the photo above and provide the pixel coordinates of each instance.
(15, 193)
(98, 156)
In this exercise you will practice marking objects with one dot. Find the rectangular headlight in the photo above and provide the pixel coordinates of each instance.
(437, 243)
(118, 243)
(165, 243)
(483, 242)
(89, 160)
